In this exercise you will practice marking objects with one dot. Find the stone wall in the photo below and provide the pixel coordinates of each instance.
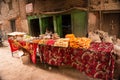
(7, 15)
(105, 4)
(17, 13)
(93, 21)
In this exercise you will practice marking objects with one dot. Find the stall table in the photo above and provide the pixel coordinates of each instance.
(96, 62)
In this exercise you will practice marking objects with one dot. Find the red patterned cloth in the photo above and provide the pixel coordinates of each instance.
(101, 47)
(13, 46)
(31, 47)
(51, 55)
(96, 62)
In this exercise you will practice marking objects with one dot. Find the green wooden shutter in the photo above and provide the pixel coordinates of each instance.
(58, 25)
(44, 23)
(79, 23)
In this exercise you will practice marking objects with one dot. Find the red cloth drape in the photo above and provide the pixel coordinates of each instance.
(31, 47)
(96, 62)
(13, 46)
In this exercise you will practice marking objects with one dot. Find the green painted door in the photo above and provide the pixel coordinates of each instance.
(47, 22)
(63, 24)
(58, 25)
(79, 23)
(44, 23)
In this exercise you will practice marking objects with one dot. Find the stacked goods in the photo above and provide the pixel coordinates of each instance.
(70, 36)
(35, 41)
(27, 38)
(62, 42)
(78, 42)
(84, 42)
(42, 41)
(16, 35)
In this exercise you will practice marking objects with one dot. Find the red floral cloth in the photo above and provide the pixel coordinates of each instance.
(101, 47)
(31, 47)
(52, 55)
(96, 62)
(13, 46)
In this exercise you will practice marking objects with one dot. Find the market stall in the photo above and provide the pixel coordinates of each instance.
(11, 39)
(93, 58)
(17, 42)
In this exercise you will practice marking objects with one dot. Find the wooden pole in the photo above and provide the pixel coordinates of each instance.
(101, 7)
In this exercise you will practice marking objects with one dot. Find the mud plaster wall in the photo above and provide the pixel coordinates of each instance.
(21, 23)
(93, 21)
(57, 5)
(17, 13)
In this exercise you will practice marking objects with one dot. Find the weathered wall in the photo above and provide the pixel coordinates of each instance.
(41, 6)
(105, 4)
(22, 13)
(93, 21)
(7, 15)
(17, 12)
(109, 15)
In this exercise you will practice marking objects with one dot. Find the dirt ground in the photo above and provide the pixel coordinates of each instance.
(11, 68)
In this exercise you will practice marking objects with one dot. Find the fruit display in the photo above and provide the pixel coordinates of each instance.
(70, 36)
(82, 42)
(69, 41)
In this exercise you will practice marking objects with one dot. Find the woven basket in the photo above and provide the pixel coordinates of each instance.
(25, 59)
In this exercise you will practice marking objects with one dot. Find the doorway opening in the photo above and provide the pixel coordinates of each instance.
(66, 24)
(13, 26)
(112, 23)
(35, 28)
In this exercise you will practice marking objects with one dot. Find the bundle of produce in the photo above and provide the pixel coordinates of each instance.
(36, 40)
(70, 36)
(42, 41)
(27, 38)
(62, 42)
(84, 42)
(80, 42)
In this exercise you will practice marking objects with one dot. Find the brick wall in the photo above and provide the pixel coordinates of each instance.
(17, 12)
